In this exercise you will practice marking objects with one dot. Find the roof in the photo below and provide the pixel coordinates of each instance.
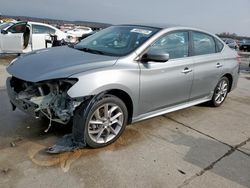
(154, 25)
(170, 26)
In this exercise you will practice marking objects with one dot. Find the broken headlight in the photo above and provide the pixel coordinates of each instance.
(49, 98)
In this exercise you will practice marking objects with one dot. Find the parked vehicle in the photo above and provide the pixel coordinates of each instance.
(71, 41)
(77, 34)
(121, 75)
(231, 43)
(88, 34)
(66, 27)
(79, 31)
(22, 37)
(6, 24)
(245, 45)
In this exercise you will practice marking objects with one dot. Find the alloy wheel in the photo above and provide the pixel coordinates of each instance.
(221, 91)
(105, 123)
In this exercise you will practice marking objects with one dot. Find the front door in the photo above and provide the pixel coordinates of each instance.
(13, 39)
(169, 83)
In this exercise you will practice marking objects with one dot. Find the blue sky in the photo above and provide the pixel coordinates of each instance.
(214, 15)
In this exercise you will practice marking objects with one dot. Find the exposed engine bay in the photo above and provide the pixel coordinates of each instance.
(49, 98)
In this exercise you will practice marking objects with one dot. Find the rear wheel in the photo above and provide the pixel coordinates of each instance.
(220, 92)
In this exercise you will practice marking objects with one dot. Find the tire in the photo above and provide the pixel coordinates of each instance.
(220, 92)
(103, 122)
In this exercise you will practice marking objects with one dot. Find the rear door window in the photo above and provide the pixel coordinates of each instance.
(203, 43)
(40, 29)
(219, 45)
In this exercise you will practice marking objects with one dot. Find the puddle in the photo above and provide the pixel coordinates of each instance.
(38, 155)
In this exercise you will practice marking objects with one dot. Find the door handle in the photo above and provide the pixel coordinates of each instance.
(186, 70)
(218, 65)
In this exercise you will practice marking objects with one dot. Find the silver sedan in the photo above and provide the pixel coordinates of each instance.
(121, 75)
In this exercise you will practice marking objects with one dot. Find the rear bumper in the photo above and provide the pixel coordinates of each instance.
(236, 75)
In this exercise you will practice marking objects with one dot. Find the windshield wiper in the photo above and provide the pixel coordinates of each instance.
(91, 50)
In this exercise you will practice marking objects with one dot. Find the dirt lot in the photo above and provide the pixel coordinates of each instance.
(195, 147)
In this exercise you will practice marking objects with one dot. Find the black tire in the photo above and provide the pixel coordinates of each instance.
(215, 102)
(85, 112)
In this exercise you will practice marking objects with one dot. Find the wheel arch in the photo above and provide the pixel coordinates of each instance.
(230, 79)
(119, 93)
(124, 96)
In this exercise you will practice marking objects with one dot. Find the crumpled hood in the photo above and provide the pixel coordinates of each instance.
(58, 62)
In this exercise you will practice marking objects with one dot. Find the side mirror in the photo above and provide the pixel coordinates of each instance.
(4, 32)
(156, 55)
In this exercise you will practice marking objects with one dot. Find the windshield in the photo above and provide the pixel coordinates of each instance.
(5, 25)
(116, 40)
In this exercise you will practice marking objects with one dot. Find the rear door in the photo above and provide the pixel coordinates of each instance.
(40, 36)
(12, 40)
(207, 65)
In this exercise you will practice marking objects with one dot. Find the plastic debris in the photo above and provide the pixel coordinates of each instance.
(65, 144)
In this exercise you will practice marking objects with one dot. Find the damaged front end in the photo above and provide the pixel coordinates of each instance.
(49, 98)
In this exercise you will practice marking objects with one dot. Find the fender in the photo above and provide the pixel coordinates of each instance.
(94, 82)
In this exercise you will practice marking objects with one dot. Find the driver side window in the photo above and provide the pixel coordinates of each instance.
(17, 28)
(175, 44)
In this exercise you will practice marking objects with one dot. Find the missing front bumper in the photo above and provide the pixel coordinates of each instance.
(23, 105)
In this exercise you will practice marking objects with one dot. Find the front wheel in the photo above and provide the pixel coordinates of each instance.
(105, 121)
(220, 92)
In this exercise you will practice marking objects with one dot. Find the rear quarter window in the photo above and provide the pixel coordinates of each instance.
(219, 45)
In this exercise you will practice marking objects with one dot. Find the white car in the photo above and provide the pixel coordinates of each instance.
(75, 35)
(23, 37)
(79, 31)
